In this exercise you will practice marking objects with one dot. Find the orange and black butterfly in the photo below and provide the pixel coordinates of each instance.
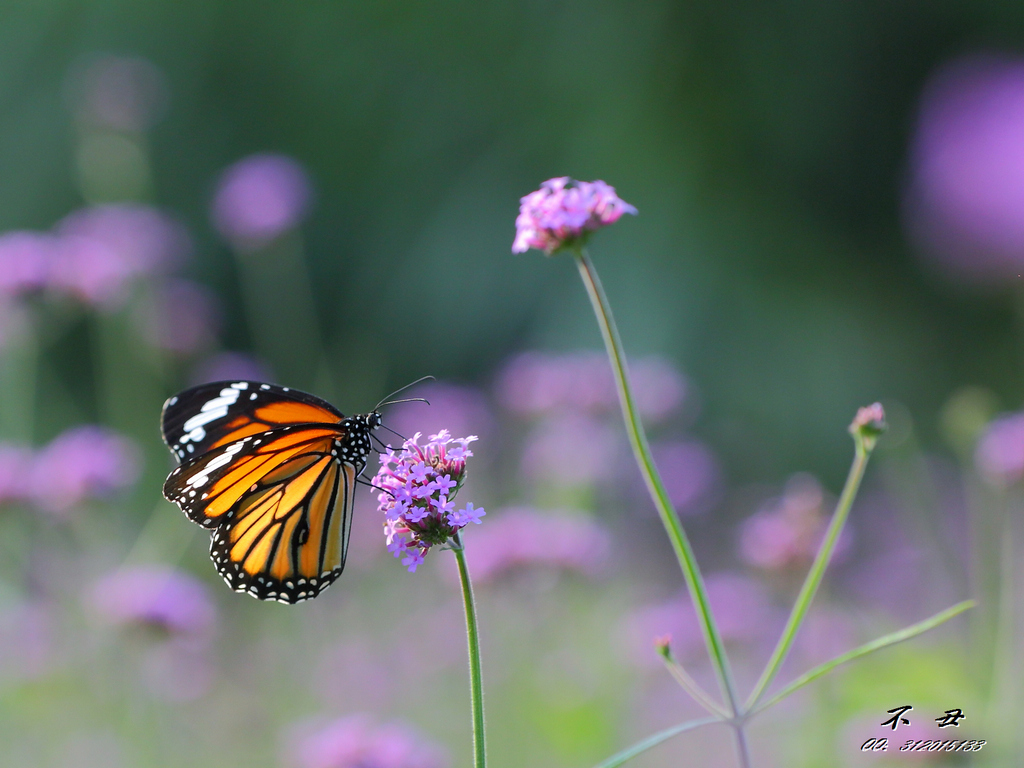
(272, 472)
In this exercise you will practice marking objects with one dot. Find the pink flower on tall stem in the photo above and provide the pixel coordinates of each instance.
(563, 212)
(418, 487)
(259, 198)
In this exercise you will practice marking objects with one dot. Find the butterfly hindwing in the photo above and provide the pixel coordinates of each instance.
(279, 503)
(216, 414)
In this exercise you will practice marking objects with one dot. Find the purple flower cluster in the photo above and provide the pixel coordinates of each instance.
(741, 605)
(786, 532)
(170, 601)
(418, 487)
(259, 198)
(357, 742)
(82, 462)
(965, 201)
(175, 610)
(563, 212)
(93, 254)
(999, 455)
(535, 383)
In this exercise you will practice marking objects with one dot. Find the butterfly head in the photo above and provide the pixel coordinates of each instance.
(373, 420)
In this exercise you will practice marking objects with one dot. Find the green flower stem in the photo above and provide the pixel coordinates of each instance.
(652, 741)
(690, 685)
(642, 451)
(814, 576)
(476, 683)
(875, 645)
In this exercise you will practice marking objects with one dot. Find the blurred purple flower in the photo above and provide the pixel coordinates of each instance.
(563, 212)
(119, 92)
(459, 408)
(787, 531)
(574, 449)
(966, 195)
(999, 455)
(691, 475)
(741, 607)
(25, 261)
(158, 597)
(536, 382)
(26, 641)
(101, 250)
(15, 470)
(259, 198)
(356, 742)
(524, 538)
(182, 317)
(81, 462)
(236, 366)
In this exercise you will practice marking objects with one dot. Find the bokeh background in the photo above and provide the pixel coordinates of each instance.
(831, 212)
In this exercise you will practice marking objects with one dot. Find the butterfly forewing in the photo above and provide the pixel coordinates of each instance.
(279, 502)
(212, 415)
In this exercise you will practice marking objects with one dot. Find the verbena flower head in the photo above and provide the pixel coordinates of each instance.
(167, 600)
(564, 212)
(999, 455)
(417, 494)
(259, 198)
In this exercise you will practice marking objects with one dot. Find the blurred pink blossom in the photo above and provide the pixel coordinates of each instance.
(522, 538)
(999, 455)
(741, 606)
(563, 211)
(181, 317)
(537, 382)
(158, 597)
(15, 470)
(691, 474)
(356, 741)
(123, 93)
(966, 195)
(81, 462)
(259, 198)
(25, 260)
(787, 531)
(101, 250)
(573, 449)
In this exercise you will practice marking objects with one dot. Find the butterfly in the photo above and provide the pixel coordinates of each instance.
(271, 471)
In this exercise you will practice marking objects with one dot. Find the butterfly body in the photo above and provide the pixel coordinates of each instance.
(272, 472)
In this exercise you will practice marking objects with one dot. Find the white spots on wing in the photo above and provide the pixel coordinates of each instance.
(173, 400)
(213, 409)
(264, 386)
(202, 478)
(240, 385)
(252, 396)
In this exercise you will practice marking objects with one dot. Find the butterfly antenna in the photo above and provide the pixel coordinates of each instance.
(371, 485)
(402, 389)
(389, 429)
(406, 400)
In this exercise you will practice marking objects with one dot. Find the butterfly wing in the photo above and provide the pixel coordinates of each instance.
(212, 415)
(280, 503)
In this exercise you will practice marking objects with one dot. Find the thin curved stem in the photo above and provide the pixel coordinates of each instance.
(816, 573)
(476, 683)
(656, 488)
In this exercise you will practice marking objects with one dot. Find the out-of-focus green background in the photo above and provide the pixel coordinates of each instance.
(768, 149)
